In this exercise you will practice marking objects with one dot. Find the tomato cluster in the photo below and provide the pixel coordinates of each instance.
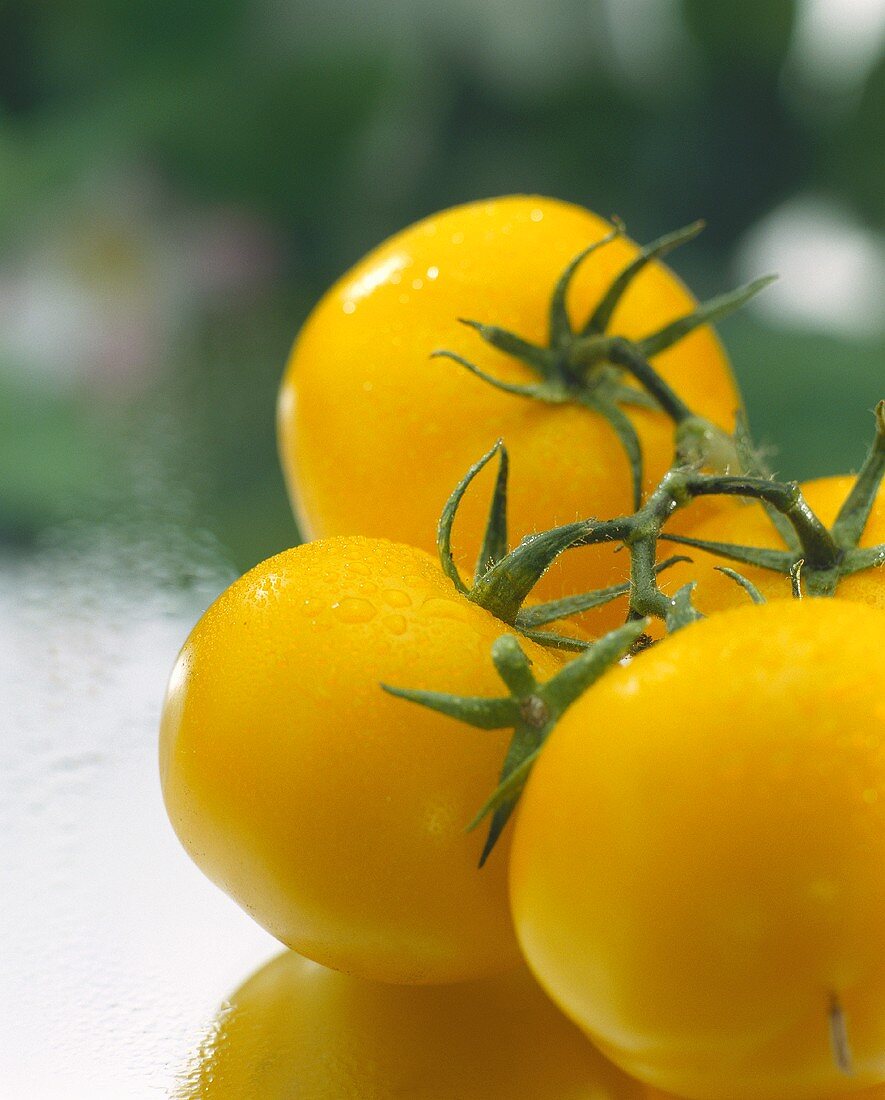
(683, 816)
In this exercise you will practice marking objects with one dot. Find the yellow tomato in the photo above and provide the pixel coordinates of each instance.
(748, 525)
(877, 1092)
(332, 812)
(698, 867)
(296, 1029)
(374, 435)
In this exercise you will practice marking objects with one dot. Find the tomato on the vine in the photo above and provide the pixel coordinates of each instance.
(297, 1029)
(746, 524)
(374, 433)
(697, 867)
(332, 812)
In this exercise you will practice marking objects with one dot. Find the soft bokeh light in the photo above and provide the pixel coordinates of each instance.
(831, 269)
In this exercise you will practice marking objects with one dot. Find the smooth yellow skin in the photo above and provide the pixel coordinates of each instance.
(374, 434)
(749, 525)
(699, 859)
(296, 1029)
(331, 811)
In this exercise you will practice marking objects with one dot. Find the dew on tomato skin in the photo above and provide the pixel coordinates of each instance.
(354, 610)
(438, 607)
(438, 820)
(457, 238)
(432, 273)
(537, 215)
(417, 284)
(271, 585)
(396, 624)
(357, 567)
(395, 597)
(349, 306)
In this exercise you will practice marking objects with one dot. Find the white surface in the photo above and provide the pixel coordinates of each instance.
(115, 952)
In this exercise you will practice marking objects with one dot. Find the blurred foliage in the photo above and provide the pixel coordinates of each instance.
(328, 128)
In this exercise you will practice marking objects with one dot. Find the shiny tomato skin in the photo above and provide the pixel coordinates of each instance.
(333, 812)
(374, 434)
(697, 868)
(296, 1029)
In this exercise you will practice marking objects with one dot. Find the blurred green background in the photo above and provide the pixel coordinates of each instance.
(180, 182)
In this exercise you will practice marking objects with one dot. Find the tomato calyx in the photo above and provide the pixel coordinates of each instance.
(587, 366)
(504, 578)
(815, 556)
(531, 709)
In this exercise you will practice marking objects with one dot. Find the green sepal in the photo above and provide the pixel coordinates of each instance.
(541, 391)
(506, 793)
(512, 665)
(629, 395)
(522, 744)
(745, 583)
(752, 463)
(706, 313)
(539, 359)
(531, 709)
(559, 323)
(447, 519)
(552, 640)
(779, 561)
(682, 611)
(602, 315)
(494, 543)
(504, 588)
(574, 678)
(866, 557)
(484, 714)
(503, 579)
(855, 512)
(623, 428)
(796, 579)
(550, 700)
(543, 613)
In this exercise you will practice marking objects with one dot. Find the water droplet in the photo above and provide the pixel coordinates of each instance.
(358, 567)
(438, 607)
(537, 215)
(396, 624)
(395, 597)
(439, 821)
(457, 238)
(433, 272)
(349, 306)
(417, 284)
(271, 585)
(367, 387)
(354, 610)
(403, 299)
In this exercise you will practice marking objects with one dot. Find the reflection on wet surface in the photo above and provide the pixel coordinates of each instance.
(114, 948)
(297, 1029)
